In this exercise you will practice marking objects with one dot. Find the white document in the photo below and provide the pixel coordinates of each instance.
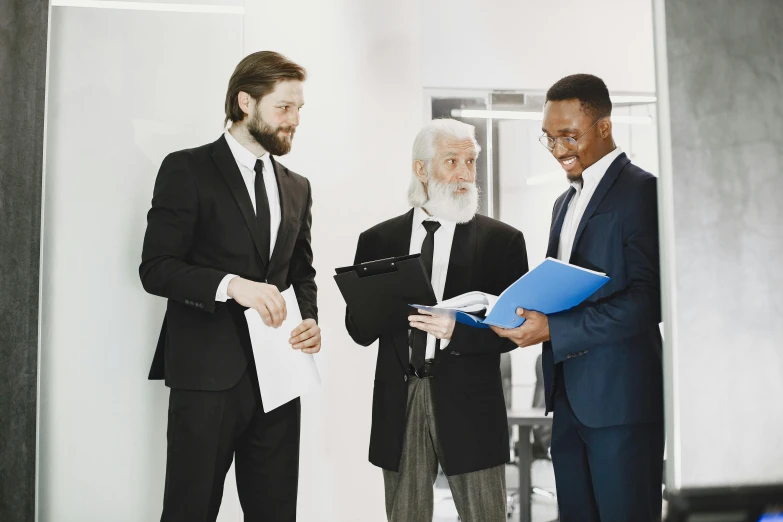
(283, 373)
(471, 302)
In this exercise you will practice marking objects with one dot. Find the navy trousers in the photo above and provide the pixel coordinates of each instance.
(611, 474)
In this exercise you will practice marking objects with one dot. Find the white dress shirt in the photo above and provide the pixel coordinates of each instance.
(444, 237)
(246, 161)
(591, 177)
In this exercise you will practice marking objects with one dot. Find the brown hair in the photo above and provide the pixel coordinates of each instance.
(258, 74)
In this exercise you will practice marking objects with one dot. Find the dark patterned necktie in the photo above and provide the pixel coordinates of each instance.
(418, 338)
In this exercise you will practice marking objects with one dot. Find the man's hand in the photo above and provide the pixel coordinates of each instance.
(440, 326)
(264, 298)
(534, 330)
(307, 337)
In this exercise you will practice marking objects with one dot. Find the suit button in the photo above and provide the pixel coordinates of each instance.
(201, 305)
(454, 353)
(187, 302)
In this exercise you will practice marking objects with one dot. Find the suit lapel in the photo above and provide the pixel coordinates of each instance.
(399, 244)
(230, 172)
(463, 250)
(600, 193)
(399, 239)
(286, 193)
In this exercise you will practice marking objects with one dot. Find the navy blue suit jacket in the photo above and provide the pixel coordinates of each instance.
(608, 350)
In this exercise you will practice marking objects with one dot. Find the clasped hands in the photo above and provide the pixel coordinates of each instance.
(270, 305)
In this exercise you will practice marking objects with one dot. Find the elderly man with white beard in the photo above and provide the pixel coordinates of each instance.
(438, 397)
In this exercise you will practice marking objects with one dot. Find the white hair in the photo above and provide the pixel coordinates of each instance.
(425, 148)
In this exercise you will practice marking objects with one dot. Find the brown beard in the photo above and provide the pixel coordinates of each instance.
(267, 136)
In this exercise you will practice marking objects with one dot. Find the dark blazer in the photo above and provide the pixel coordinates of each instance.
(486, 255)
(200, 228)
(608, 350)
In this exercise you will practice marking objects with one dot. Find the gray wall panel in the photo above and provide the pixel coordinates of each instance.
(23, 34)
(725, 79)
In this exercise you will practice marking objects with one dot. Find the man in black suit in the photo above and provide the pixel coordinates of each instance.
(228, 230)
(602, 360)
(438, 394)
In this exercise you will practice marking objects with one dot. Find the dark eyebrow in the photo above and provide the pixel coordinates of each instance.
(561, 131)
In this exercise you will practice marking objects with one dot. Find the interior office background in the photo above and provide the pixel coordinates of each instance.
(94, 96)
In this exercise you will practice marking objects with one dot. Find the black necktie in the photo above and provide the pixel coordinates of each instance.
(262, 209)
(418, 338)
(557, 225)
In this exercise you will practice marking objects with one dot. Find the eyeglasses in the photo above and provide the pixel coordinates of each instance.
(566, 142)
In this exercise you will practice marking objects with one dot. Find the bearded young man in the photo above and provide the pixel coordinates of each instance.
(438, 397)
(228, 230)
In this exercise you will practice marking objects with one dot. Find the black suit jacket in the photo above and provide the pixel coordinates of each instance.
(486, 255)
(200, 228)
(608, 350)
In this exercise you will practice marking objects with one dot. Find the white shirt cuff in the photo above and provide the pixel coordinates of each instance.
(444, 343)
(222, 290)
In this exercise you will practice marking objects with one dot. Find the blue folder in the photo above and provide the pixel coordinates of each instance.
(551, 287)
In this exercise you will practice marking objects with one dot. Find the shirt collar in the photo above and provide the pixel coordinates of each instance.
(243, 156)
(420, 216)
(593, 174)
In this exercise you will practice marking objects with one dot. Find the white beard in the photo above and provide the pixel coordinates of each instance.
(446, 204)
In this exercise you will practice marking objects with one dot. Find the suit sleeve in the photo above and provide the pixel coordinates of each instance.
(469, 340)
(357, 334)
(171, 224)
(300, 270)
(629, 312)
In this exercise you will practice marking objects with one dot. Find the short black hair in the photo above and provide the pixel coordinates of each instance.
(588, 89)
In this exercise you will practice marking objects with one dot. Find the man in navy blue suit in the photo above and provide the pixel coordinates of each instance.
(602, 360)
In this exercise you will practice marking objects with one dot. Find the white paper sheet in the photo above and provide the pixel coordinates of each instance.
(283, 373)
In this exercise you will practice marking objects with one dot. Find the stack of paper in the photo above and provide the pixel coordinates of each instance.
(471, 303)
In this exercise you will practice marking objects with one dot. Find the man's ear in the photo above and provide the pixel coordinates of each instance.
(418, 169)
(605, 128)
(245, 102)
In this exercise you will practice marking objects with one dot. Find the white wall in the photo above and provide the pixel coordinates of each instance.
(125, 88)
(363, 109)
(530, 44)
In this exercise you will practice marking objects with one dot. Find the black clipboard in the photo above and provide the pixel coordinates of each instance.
(378, 293)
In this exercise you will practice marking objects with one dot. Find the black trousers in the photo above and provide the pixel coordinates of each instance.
(611, 474)
(207, 430)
